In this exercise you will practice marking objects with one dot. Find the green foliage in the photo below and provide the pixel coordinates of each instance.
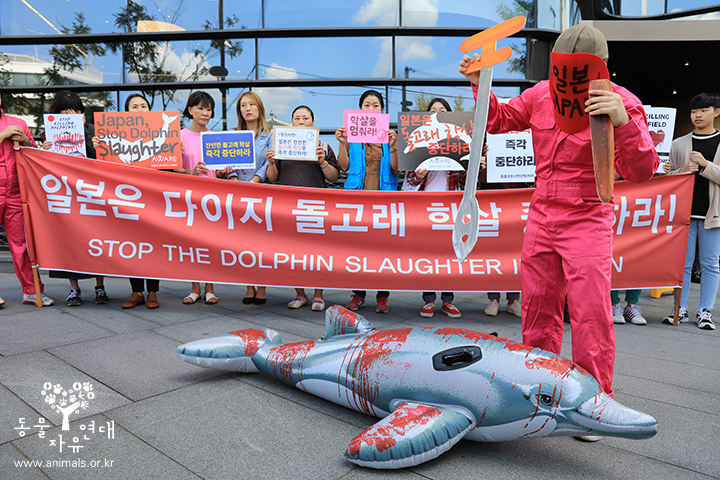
(518, 62)
(231, 48)
(458, 104)
(422, 100)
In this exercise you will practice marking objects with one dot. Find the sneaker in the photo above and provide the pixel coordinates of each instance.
(634, 314)
(704, 319)
(589, 438)
(428, 310)
(514, 308)
(74, 299)
(682, 317)
(100, 295)
(451, 310)
(492, 308)
(30, 299)
(618, 316)
(382, 306)
(355, 302)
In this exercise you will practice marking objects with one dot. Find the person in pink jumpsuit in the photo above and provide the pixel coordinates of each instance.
(11, 213)
(567, 249)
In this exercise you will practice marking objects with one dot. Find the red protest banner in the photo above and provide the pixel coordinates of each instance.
(171, 226)
(143, 139)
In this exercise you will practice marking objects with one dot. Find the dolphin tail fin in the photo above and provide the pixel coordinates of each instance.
(167, 119)
(341, 321)
(412, 434)
(231, 352)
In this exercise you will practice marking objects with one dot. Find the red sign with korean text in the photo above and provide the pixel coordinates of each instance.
(570, 75)
(179, 227)
(142, 139)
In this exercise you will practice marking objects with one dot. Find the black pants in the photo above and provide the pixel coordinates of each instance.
(362, 293)
(138, 284)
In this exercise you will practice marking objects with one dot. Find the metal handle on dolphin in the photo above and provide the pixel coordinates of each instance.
(465, 232)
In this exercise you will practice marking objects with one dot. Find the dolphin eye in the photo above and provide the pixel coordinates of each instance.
(545, 400)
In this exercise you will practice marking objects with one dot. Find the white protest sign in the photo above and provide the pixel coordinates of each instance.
(661, 123)
(66, 132)
(510, 158)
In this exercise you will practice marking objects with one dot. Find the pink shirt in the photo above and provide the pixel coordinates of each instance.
(9, 185)
(193, 151)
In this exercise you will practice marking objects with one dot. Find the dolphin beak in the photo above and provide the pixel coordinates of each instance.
(602, 415)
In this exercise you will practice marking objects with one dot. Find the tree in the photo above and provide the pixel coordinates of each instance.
(65, 402)
(67, 59)
(148, 60)
(458, 104)
(422, 101)
(518, 62)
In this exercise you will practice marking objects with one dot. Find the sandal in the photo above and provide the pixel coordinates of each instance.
(193, 297)
(298, 302)
(318, 305)
(211, 299)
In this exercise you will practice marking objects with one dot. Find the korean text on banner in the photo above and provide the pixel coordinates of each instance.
(168, 226)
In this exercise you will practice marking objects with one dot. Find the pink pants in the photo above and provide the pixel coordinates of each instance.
(11, 216)
(567, 251)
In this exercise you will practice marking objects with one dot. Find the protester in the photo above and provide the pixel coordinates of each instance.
(303, 173)
(200, 108)
(370, 166)
(513, 298)
(12, 130)
(699, 152)
(66, 102)
(631, 312)
(138, 103)
(568, 240)
(251, 116)
(436, 181)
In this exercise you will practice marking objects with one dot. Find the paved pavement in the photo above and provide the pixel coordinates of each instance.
(176, 421)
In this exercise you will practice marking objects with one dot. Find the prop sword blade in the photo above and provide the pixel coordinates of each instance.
(603, 147)
(465, 232)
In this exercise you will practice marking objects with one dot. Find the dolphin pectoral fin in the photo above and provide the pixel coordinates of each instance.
(411, 435)
(341, 321)
(231, 352)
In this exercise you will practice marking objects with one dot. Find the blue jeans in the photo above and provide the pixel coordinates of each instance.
(708, 242)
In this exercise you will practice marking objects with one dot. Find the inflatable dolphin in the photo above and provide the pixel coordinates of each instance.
(433, 386)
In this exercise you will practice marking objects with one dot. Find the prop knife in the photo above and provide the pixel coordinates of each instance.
(465, 232)
(602, 138)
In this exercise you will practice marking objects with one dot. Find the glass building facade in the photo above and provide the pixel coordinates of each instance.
(320, 53)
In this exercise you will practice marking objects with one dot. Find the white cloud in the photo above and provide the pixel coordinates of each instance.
(410, 48)
(280, 100)
(422, 13)
(383, 66)
(380, 11)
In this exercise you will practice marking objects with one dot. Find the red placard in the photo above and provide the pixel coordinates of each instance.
(179, 227)
(570, 76)
(143, 139)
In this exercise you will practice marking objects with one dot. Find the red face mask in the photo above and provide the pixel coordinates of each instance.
(570, 75)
